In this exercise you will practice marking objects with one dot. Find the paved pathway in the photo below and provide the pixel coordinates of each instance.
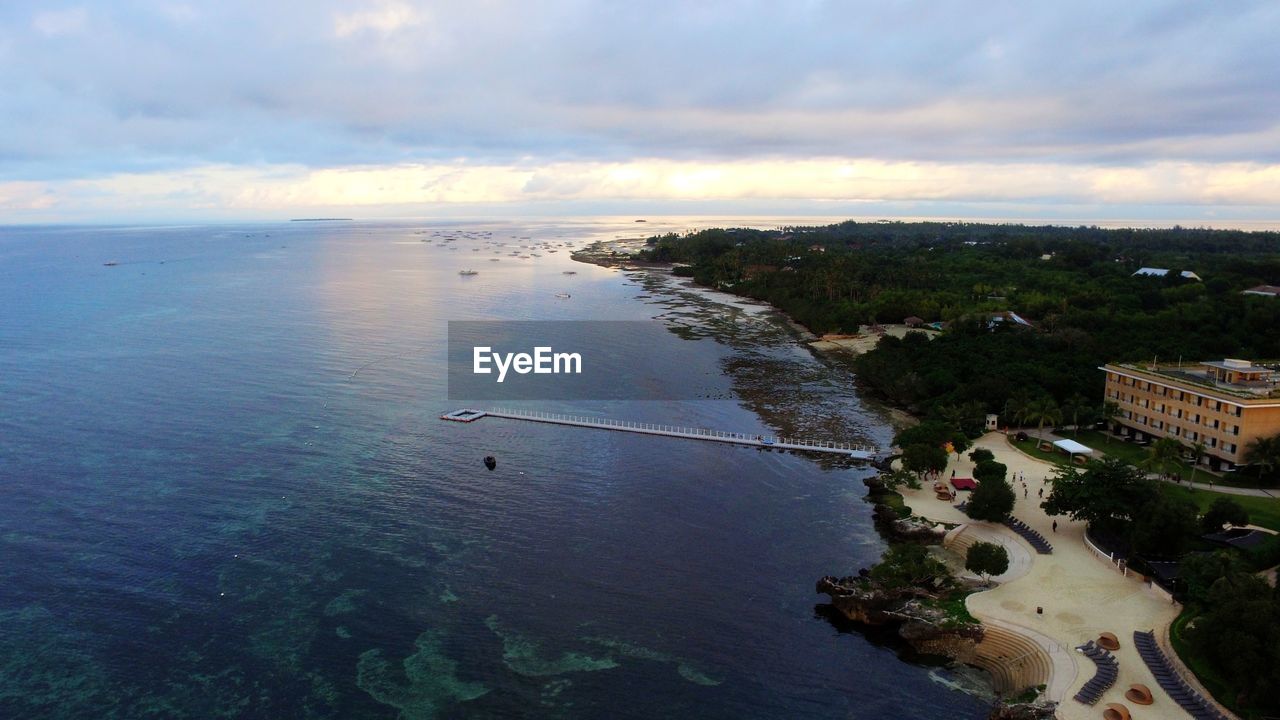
(1209, 486)
(1078, 594)
(1224, 489)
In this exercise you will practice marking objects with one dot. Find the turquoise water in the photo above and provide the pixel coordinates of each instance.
(226, 493)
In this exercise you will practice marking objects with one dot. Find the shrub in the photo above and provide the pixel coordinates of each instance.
(986, 559)
(982, 455)
(992, 500)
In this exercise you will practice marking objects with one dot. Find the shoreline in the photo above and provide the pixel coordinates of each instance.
(998, 615)
(829, 351)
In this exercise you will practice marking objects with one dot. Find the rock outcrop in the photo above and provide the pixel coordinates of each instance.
(927, 629)
(1039, 710)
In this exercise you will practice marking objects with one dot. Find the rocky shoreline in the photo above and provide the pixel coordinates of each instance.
(910, 612)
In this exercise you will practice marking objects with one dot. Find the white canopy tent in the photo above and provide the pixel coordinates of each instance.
(1071, 447)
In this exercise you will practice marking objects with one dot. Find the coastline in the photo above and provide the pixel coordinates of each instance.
(999, 610)
(832, 351)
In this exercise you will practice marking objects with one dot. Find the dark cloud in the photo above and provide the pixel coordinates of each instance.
(146, 84)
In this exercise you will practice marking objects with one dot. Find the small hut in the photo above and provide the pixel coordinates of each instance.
(913, 322)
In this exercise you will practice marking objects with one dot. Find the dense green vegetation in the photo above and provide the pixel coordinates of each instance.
(986, 559)
(1230, 633)
(994, 498)
(1078, 305)
(1085, 305)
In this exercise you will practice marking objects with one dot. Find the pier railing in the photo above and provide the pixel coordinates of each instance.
(786, 443)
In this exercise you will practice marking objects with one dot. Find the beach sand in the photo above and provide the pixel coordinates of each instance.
(864, 340)
(1081, 594)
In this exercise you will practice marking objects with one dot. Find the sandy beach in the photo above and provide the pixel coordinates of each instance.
(864, 340)
(1063, 599)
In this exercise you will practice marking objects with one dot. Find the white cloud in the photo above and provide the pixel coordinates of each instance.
(385, 18)
(57, 23)
(412, 187)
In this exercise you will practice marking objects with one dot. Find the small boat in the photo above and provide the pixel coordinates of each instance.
(468, 272)
(490, 462)
(563, 295)
(569, 272)
(111, 263)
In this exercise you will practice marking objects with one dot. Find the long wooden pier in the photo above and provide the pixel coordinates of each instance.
(860, 452)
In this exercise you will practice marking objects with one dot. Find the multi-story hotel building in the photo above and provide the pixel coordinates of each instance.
(1223, 404)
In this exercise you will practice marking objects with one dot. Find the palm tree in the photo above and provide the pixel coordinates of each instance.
(1043, 409)
(1073, 407)
(1265, 453)
(952, 415)
(1162, 456)
(973, 415)
(1015, 408)
(1197, 454)
(1110, 411)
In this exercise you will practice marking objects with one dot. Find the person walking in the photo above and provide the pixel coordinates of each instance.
(1055, 526)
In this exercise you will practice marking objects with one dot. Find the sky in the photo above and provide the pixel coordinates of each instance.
(159, 110)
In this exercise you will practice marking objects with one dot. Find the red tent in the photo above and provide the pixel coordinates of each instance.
(963, 483)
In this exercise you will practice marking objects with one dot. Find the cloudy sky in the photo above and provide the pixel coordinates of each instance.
(260, 109)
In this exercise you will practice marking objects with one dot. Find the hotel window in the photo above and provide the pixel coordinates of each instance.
(1213, 442)
(1215, 424)
(1177, 413)
(1177, 431)
(1235, 429)
(1231, 448)
(1217, 406)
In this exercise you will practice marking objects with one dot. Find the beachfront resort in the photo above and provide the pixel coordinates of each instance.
(1091, 615)
(1219, 405)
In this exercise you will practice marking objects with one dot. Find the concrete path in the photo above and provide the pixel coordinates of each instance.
(1208, 486)
(1224, 489)
(1065, 598)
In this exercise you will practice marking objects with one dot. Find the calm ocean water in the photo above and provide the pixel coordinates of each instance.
(225, 493)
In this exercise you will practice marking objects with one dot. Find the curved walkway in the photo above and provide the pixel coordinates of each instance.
(959, 540)
(1224, 489)
(1065, 599)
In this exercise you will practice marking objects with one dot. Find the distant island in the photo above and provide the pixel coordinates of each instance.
(317, 219)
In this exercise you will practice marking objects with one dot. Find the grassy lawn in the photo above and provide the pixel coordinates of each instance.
(1262, 510)
(1031, 447)
(953, 605)
(1133, 454)
(1221, 690)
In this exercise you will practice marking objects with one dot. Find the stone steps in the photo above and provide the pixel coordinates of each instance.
(1015, 662)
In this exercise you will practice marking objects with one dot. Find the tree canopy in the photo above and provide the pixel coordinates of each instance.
(1106, 492)
(986, 559)
(921, 459)
(1074, 286)
(1223, 510)
(1164, 528)
(992, 500)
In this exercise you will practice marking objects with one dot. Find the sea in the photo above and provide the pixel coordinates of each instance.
(226, 491)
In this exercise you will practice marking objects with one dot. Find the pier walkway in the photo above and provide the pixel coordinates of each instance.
(860, 452)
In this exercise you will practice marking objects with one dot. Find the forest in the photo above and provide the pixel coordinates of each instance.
(1080, 304)
(1074, 286)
